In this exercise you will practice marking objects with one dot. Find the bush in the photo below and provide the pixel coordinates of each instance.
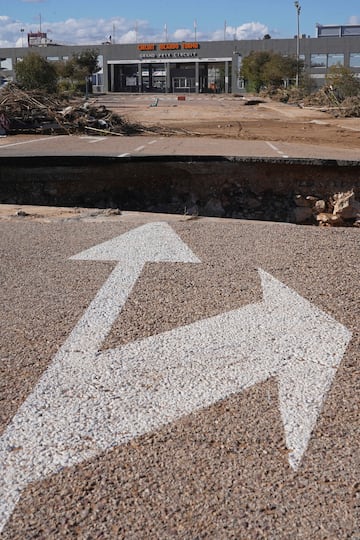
(35, 73)
(343, 82)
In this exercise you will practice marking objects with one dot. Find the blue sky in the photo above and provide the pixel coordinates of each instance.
(91, 22)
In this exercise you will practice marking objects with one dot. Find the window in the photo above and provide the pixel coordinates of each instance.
(98, 79)
(351, 30)
(328, 31)
(335, 59)
(355, 60)
(302, 59)
(6, 63)
(318, 60)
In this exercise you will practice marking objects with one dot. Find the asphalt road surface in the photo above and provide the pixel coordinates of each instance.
(59, 145)
(168, 377)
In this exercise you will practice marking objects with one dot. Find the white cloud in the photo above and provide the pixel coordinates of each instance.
(251, 30)
(9, 31)
(354, 19)
(94, 32)
(128, 37)
(183, 34)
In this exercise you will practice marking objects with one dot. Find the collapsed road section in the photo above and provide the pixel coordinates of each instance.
(277, 189)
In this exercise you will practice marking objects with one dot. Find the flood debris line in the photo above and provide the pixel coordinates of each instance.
(325, 99)
(340, 210)
(38, 112)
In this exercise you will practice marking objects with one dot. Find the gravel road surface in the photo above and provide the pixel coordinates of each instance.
(220, 470)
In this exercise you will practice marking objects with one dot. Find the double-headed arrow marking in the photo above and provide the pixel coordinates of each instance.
(88, 401)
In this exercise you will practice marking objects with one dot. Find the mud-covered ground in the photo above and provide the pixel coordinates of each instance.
(237, 117)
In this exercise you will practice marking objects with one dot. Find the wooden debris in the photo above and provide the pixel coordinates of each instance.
(38, 112)
(329, 220)
(346, 206)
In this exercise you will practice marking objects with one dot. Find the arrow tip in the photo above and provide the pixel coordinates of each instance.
(153, 242)
(310, 347)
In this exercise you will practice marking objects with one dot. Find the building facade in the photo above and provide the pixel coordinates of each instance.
(199, 67)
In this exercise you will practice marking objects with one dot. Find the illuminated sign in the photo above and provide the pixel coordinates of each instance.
(193, 45)
(168, 50)
(146, 47)
(169, 46)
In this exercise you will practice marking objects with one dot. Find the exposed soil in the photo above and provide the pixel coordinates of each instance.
(231, 117)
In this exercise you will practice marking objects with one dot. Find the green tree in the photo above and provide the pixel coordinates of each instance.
(264, 68)
(343, 81)
(75, 73)
(69, 75)
(87, 64)
(35, 72)
(252, 69)
(279, 68)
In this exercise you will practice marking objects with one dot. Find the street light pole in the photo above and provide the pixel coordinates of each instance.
(298, 9)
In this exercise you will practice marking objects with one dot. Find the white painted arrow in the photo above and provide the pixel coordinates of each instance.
(88, 402)
(154, 242)
(26, 448)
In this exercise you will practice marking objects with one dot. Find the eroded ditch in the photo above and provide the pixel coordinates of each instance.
(273, 189)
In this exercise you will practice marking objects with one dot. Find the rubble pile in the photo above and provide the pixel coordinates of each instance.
(340, 210)
(327, 99)
(292, 94)
(350, 107)
(37, 112)
(324, 97)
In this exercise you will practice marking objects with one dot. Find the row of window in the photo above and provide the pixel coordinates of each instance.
(7, 63)
(321, 60)
(327, 60)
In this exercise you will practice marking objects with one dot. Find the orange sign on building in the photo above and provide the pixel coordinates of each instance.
(193, 45)
(146, 47)
(169, 46)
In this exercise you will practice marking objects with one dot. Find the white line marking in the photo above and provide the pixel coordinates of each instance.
(273, 147)
(124, 155)
(277, 150)
(50, 138)
(92, 140)
(153, 142)
(100, 139)
(139, 148)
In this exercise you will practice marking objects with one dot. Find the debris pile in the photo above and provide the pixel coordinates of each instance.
(340, 210)
(350, 107)
(285, 95)
(37, 112)
(327, 99)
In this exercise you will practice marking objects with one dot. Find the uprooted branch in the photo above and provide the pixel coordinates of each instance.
(37, 112)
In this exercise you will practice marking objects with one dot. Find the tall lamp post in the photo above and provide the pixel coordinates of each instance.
(298, 9)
